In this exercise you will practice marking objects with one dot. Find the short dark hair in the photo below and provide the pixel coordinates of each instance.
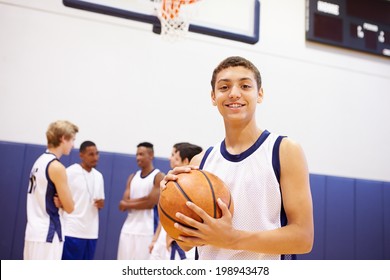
(187, 150)
(179, 144)
(235, 61)
(146, 145)
(85, 145)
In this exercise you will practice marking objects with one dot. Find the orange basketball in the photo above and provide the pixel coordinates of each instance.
(198, 186)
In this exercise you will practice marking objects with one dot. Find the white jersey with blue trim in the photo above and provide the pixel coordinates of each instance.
(140, 221)
(43, 219)
(253, 180)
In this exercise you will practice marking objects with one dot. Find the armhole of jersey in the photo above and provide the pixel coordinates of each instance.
(47, 171)
(155, 175)
(276, 157)
(206, 154)
(276, 167)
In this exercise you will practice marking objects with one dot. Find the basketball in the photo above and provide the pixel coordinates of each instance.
(198, 186)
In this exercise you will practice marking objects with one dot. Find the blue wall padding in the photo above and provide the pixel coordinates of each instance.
(318, 195)
(351, 216)
(386, 219)
(339, 218)
(122, 167)
(369, 217)
(106, 164)
(11, 158)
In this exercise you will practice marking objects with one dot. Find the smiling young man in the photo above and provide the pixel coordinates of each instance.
(266, 173)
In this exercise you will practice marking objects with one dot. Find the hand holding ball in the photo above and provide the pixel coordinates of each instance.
(198, 186)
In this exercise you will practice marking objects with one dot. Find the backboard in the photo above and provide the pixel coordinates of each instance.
(237, 20)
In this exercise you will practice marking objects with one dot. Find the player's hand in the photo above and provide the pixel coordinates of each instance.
(171, 175)
(99, 203)
(169, 241)
(215, 232)
(57, 201)
(151, 246)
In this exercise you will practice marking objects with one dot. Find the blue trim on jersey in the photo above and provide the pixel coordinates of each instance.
(140, 174)
(276, 167)
(276, 158)
(51, 209)
(156, 218)
(248, 152)
(206, 154)
(175, 248)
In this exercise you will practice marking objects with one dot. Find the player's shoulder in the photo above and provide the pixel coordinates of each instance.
(131, 176)
(56, 170)
(197, 159)
(159, 175)
(289, 144)
(290, 149)
(73, 167)
(55, 164)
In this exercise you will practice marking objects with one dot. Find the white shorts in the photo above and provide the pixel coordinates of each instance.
(134, 247)
(34, 250)
(160, 251)
(191, 254)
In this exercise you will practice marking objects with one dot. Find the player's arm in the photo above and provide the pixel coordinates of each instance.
(295, 238)
(155, 237)
(297, 200)
(146, 202)
(197, 159)
(57, 173)
(99, 203)
(99, 200)
(126, 194)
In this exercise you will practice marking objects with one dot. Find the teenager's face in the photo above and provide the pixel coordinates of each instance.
(236, 94)
(175, 159)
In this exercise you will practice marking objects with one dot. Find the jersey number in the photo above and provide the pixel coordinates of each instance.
(32, 184)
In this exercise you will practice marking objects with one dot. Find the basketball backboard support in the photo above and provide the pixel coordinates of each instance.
(237, 20)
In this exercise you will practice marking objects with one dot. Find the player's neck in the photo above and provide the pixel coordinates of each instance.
(146, 170)
(85, 167)
(55, 151)
(239, 138)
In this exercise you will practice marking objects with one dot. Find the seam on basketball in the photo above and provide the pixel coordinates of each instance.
(182, 191)
(212, 192)
(172, 219)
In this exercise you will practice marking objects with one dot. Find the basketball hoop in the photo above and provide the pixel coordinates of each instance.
(174, 16)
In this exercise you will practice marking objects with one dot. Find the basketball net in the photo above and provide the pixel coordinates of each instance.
(174, 16)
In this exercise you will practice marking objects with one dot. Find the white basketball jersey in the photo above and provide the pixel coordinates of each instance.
(253, 179)
(140, 221)
(43, 219)
(85, 186)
